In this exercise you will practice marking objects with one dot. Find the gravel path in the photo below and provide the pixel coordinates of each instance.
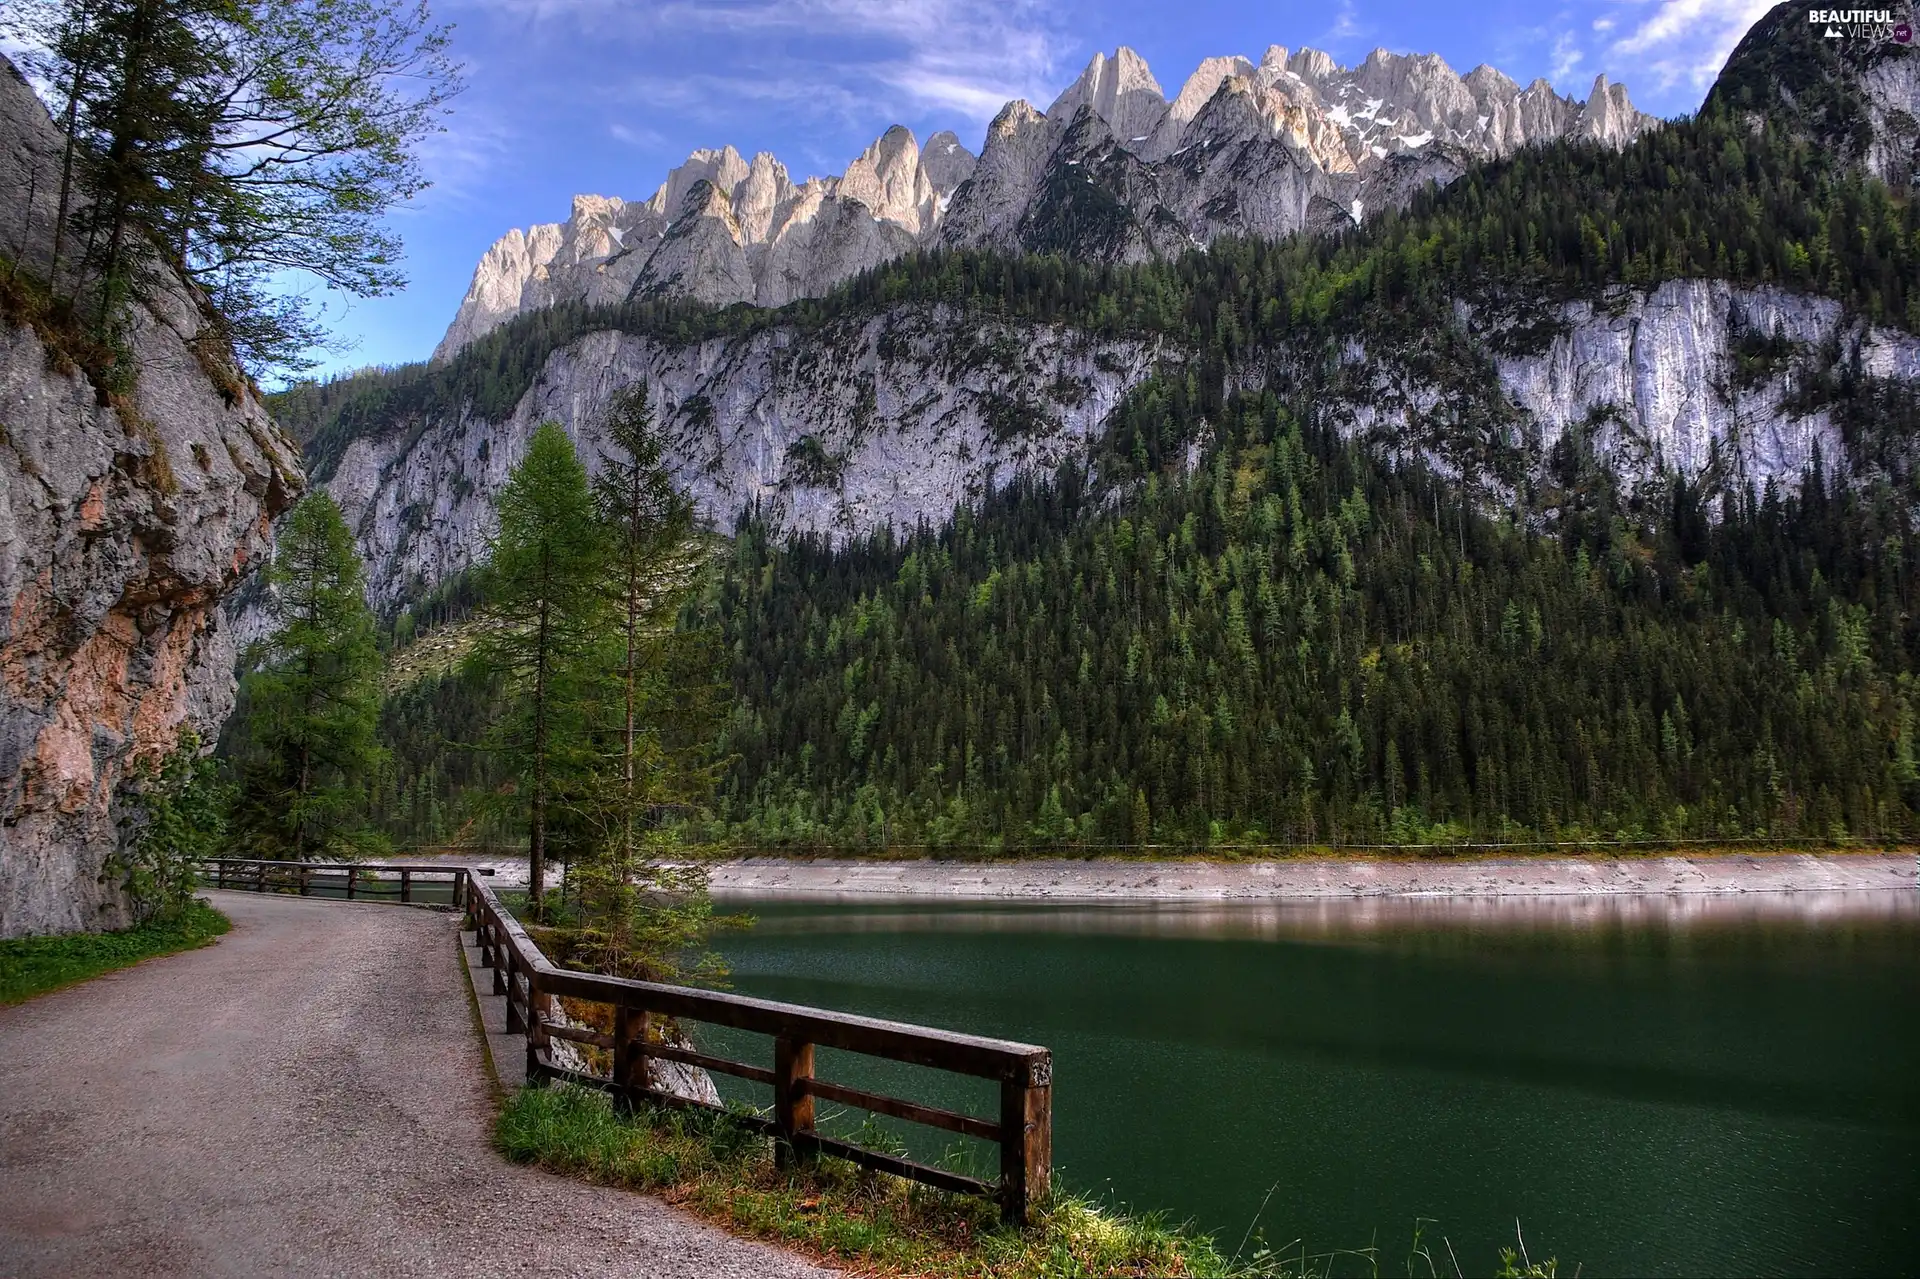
(305, 1097)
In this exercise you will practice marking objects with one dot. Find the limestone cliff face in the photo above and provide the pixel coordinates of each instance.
(121, 531)
(1699, 378)
(1111, 171)
(888, 419)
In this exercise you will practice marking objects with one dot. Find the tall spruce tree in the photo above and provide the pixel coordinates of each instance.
(649, 524)
(642, 915)
(312, 703)
(543, 621)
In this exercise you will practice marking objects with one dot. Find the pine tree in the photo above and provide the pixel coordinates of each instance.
(309, 748)
(542, 622)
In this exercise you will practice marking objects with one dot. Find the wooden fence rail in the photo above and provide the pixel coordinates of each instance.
(1023, 1129)
(369, 881)
(532, 983)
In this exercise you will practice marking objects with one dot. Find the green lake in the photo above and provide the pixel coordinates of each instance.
(1651, 1086)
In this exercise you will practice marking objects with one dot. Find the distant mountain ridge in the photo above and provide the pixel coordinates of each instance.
(1112, 171)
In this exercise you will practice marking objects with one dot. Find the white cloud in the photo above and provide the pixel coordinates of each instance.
(1691, 38)
(458, 159)
(1346, 26)
(1603, 25)
(1566, 57)
(635, 137)
(870, 58)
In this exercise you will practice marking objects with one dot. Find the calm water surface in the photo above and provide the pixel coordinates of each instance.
(1652, 1086)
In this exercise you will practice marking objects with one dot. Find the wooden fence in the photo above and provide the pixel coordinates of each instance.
(1023, 1129)
(363, 881)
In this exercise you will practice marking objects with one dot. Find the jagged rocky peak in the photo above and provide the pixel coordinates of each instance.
(723, 169)
(890, 181)
(947, 163)
(1193, 98)
(759, 195)
(1120, 90)
(1111, 171)
(1114, 172)
(720, 229)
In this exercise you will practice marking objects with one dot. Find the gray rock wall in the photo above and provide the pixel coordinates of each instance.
(1653, 377)
(122, 529)
(885, 420)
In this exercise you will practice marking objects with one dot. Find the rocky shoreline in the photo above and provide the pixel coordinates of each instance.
(1321, 878)
(1314, 878)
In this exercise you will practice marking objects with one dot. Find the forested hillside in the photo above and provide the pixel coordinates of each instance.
(1303, 644)
(1231, 622)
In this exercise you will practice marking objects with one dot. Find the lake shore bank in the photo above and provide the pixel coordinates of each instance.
(1303, 878)
(1319, 878)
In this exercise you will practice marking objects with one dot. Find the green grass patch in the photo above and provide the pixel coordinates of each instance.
(879, 1224)
(32, 966)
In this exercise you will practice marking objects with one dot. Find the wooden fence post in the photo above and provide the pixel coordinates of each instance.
(630, 1053)
(792, 1103)
(1026, 1140)
(406, 885)
(621, 1076)
(536, 1026)
(351, 872)
(515, 1022)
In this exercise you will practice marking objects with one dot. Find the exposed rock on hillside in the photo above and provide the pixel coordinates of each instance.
(121, 530)
(1111, 171)
(1696, 377)
(889, 419)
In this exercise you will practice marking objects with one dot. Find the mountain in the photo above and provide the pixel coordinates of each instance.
(1111, 172)
(1858, 97)
(1569, 496)
(719, 230)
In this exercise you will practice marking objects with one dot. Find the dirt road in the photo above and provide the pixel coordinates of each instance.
(306, 1097)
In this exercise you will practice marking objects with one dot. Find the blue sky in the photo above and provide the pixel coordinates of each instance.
(604, 96)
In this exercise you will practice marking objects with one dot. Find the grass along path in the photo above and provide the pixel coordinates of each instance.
(878, 1224)
(32, 966)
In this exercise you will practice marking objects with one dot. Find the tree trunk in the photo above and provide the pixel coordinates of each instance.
(66, 168)
(633, 608)
(537, 806)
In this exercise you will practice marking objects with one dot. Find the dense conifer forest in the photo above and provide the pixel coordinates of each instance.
(1304, 644)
